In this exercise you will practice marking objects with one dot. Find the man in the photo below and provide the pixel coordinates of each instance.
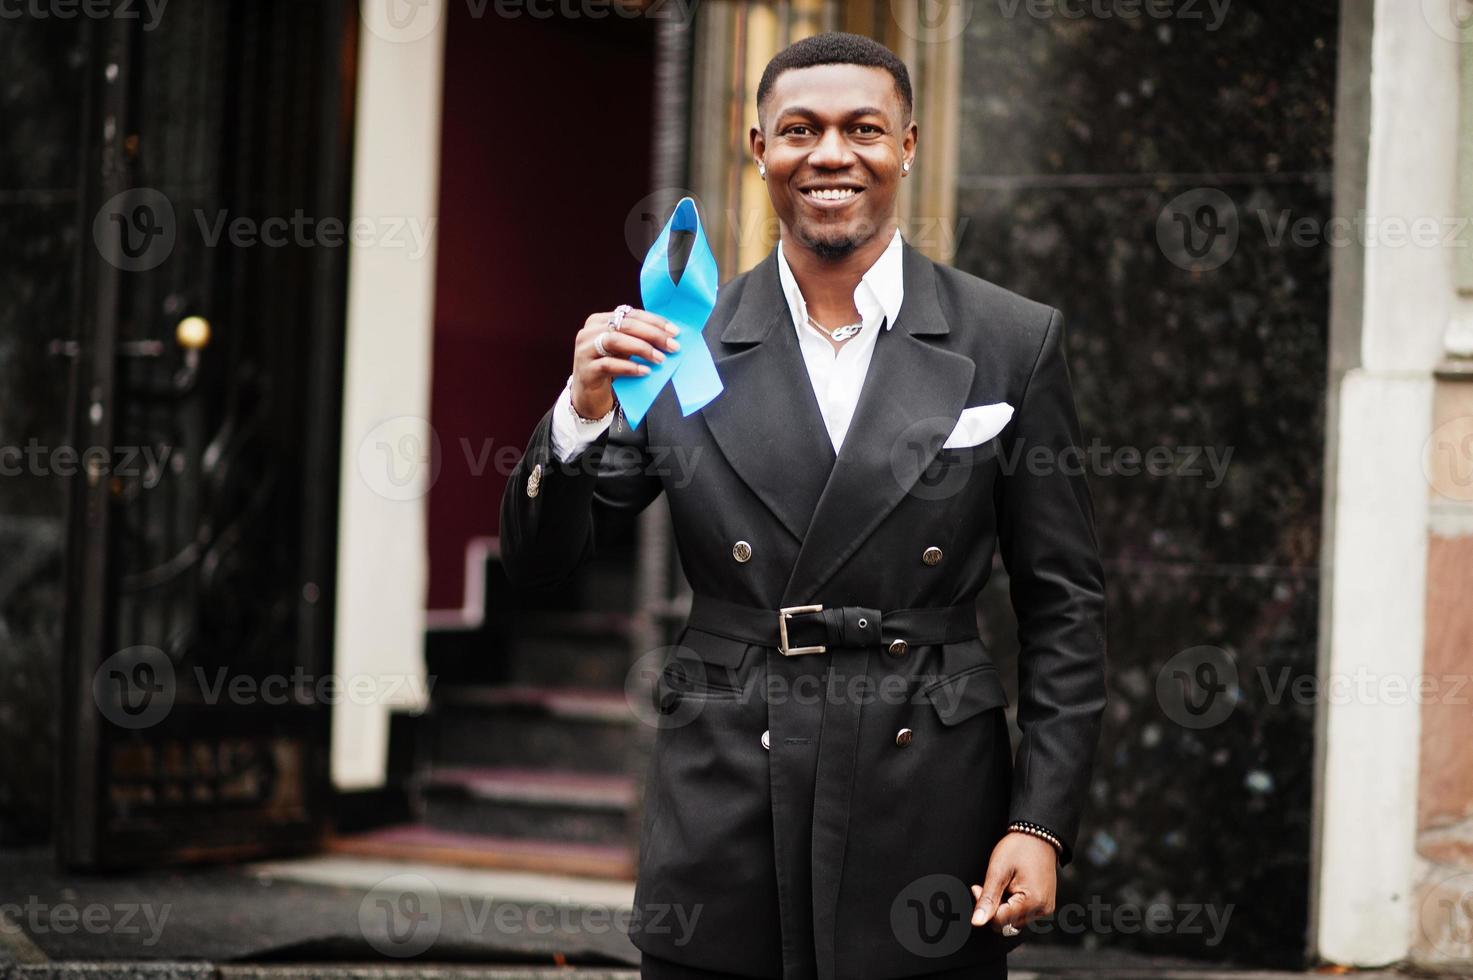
(836, 795)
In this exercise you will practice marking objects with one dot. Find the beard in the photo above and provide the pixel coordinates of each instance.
(832, 251)
(837, 244)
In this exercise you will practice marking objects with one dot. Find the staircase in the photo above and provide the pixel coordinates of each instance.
(530, 753)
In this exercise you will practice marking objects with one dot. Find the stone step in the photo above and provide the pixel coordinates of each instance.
(532, 726)
(508, 802)
(421, 842)
(578, 649)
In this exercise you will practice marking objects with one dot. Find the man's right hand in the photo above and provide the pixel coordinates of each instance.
(641, 333)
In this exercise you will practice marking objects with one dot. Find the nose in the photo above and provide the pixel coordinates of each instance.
(832, 151)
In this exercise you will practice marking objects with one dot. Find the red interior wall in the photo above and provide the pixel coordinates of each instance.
(545, 150)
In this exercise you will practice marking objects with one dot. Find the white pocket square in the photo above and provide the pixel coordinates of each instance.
(978, 424)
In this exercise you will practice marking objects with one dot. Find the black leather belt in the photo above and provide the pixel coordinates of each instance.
(796, 630)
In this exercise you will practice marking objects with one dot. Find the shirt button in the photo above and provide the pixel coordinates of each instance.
(931, 555)
(897, 648)
(534, 481)
(741, 551)
(903, 737)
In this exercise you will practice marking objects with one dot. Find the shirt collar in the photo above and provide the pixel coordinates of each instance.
(881, 289)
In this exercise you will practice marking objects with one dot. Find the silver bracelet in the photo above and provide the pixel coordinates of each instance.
(1028, 827)
(579, 416)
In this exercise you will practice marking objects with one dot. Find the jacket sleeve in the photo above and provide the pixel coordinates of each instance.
(1047, 540)
(551, 511)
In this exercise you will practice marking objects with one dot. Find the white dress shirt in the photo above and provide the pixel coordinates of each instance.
(836, 375)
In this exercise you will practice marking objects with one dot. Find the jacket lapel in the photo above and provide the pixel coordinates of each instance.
(912, 394)
(772, 431)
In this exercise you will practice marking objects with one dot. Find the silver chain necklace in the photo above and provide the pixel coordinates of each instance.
(838, 333)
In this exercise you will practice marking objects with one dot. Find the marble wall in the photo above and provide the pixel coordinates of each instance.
(1162, 174)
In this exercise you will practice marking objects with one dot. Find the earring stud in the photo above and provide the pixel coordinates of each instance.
(905, 166)
(761, 170)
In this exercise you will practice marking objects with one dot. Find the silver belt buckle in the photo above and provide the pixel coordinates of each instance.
(783, 615)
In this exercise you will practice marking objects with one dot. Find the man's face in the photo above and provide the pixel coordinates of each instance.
(833, 140)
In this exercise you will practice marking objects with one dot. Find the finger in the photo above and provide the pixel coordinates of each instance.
(989, 895)
(649, 333)
(653, 319)
(1014, 912)
(624, 345)
(613, 367)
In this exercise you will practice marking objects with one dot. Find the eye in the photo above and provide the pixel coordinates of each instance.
(794, 130)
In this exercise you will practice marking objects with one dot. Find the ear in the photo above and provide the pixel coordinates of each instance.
(909, 140)
(757, 141)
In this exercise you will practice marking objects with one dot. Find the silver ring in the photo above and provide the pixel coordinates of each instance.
(598, 344)
(620, 312)
(1009, 929)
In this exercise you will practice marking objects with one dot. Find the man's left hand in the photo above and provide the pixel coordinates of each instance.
(1026, 868)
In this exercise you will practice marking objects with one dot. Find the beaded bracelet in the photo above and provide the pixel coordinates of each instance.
(1028, 827)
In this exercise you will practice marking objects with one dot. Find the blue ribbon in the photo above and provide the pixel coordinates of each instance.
(688, 305)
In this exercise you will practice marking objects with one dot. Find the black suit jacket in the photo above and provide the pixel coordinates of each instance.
(841, 852)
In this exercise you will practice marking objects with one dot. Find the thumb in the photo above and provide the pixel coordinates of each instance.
(989, 893)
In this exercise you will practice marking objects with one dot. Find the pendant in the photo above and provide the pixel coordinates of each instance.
(845, 332)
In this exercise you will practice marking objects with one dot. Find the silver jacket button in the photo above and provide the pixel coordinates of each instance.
(534, 481)
(931, 555)
(903, 737)
(897, 648)
(741, 551)
(767, 740)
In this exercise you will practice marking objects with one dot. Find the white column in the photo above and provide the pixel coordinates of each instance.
(1377, 501)
(389, 456)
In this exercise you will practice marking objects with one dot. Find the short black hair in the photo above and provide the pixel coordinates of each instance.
(836, 48)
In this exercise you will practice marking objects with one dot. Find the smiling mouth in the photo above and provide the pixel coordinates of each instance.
(831, 196)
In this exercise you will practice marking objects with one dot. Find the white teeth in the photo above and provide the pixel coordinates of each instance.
(832, 193)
